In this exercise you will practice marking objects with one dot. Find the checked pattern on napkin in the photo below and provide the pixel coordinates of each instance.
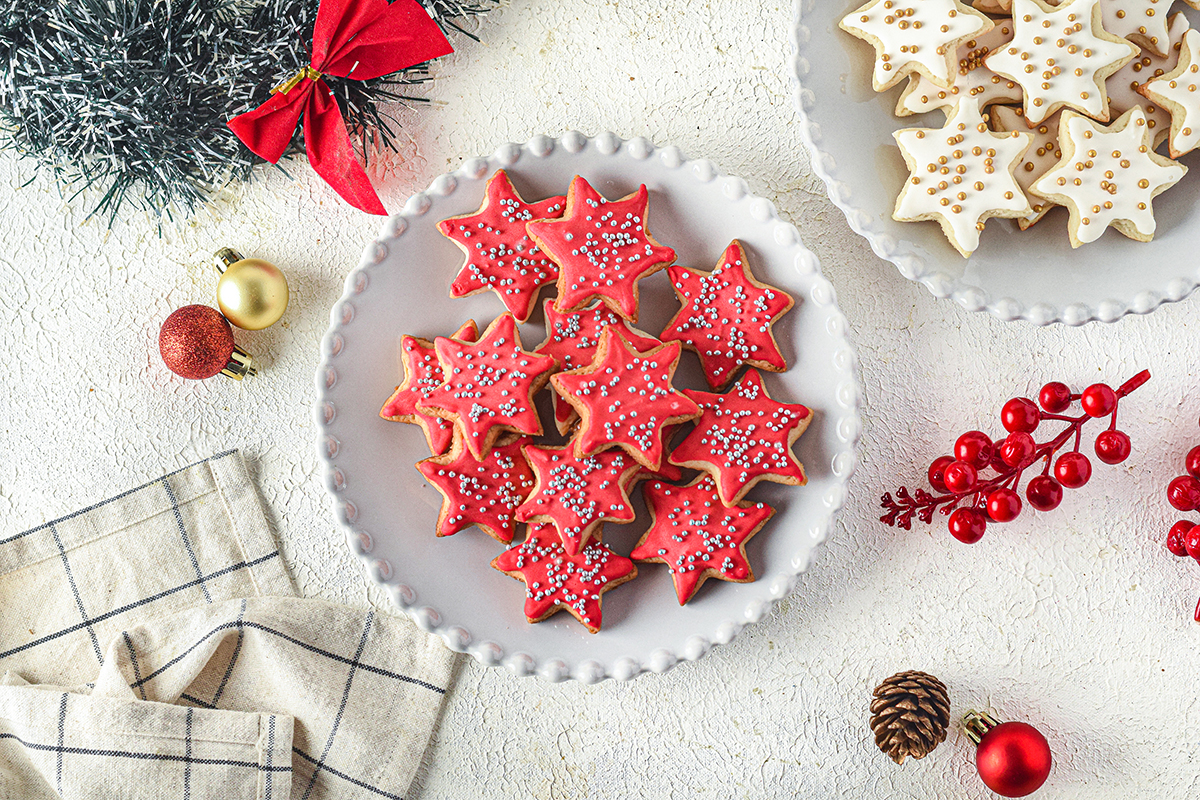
(207, 685)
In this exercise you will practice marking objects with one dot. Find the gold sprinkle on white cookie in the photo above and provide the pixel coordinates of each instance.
(910, 36)
(1143, 22)
(1061, 57)
(1125, 84)
(961, 175)
(1108, 176)
(971, 79)
(1178, 91)
(1042, 154)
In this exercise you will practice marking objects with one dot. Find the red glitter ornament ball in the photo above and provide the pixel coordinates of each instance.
(195, 342)
(1013, 759)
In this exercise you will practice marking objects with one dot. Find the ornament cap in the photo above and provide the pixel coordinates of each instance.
(978, 723)
(240, 365)
(225, 258)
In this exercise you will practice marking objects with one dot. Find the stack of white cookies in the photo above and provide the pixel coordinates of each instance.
(1045, 105)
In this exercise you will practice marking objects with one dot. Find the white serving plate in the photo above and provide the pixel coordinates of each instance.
(388, 512)
(1033, 275)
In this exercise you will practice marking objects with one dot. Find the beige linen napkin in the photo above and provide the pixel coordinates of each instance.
(221, 691)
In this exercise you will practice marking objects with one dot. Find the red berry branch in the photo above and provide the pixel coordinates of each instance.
(971, 498)
(1184, 494)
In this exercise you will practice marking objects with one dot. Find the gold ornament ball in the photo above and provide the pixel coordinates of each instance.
(252, 293)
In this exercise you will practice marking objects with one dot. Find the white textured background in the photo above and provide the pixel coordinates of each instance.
(1078, 621)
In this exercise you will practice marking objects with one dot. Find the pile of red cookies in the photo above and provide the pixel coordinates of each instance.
(613, 396)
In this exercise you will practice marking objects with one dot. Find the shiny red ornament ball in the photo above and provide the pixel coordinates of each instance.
(1013, 759)
(937, 472)
(1017, 449)
(1098, 400)
(1193, 462)
(195, 342)
(1177, 535)
(960, 477)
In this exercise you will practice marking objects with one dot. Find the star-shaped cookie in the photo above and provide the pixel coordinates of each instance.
(1042, 154)
(500, 254)
(572, 338)
(1108, 176)
(960, 176)
(556, 580)
(602, 248)
(696, 536)
(1061, 57)
(972, 79)
(575, 493)
(1143, 22)
(1124, 87)
(423, 374)
(1178, 91)
(920, 36)
(625, 398)
(743, 437)
(488, 385)
(726, 317)
(484, 493)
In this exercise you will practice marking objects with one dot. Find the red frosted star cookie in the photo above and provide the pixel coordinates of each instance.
(484, 493)
(744, 437)
(726, 317)
(556, 580)
(488, 385)
(602, 247)
(423, 374)
(696, 536)
(572, 338)
(625, 398)
(577, 494)
(500, 255)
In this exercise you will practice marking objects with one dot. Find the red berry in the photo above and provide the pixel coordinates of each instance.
(1020, 414)
(1193, 462)
(975, 448)
(1044, 493)
(967, 525)
(960, 477)
(1177, 535)
(937, 472)
(1184, 493)
(1098, 400)
(1191, 542)
(1112, 447)
(1055, 397)
(1003, 505)
(1073, 470)
(1017, 448)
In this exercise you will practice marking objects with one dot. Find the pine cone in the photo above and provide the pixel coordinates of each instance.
(909, 715)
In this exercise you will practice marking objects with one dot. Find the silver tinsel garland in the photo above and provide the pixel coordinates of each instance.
(129, 98)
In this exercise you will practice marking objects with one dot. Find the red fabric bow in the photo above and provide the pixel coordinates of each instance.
(357, 39)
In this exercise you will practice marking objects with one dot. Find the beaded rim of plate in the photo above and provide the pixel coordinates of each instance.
(842, 415)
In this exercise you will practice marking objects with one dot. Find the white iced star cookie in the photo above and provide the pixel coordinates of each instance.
(1042, 154)
(910, 36)
(972, 79)
(1143, 22)
(1124, 87)
(960, 176)
(1108, 176)
(1178, 91)
(1061, 57)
